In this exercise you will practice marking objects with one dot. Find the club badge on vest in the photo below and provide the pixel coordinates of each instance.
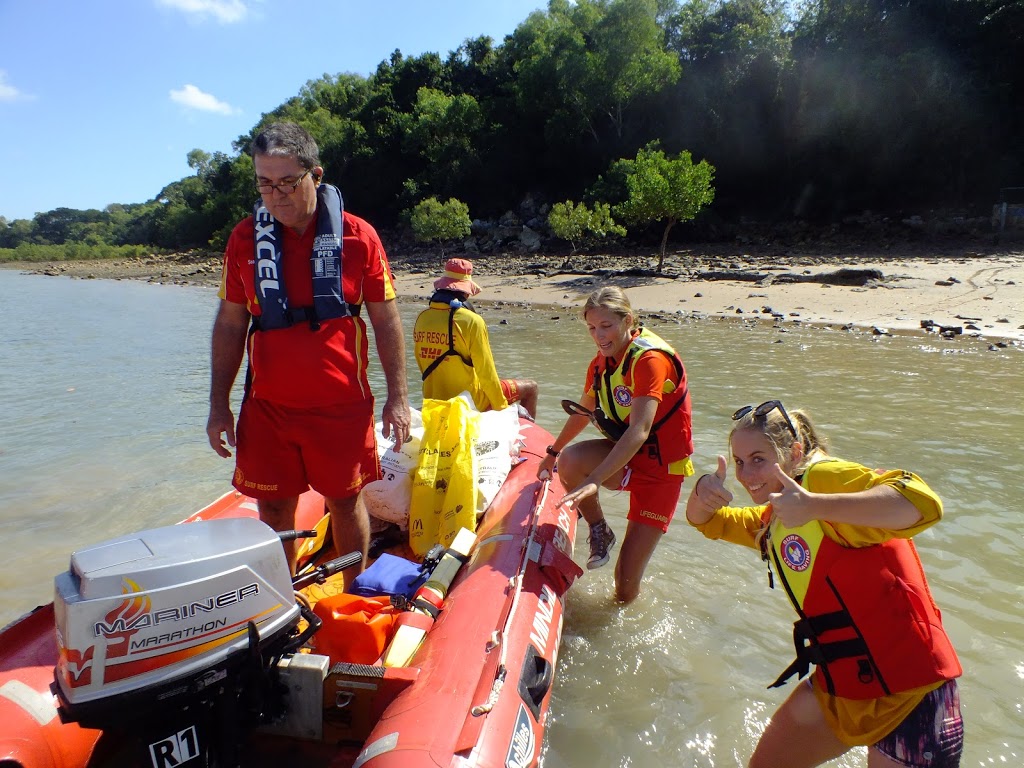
(795, 552)
(623, 396)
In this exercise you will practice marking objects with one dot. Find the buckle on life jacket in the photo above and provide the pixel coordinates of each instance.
(810, 649)
(295, 315)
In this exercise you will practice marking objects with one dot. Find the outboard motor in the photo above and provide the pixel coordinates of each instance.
(171, 637)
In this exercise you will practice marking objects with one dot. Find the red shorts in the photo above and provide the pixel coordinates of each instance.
(652, 498)
(283, 451)
(510, 390)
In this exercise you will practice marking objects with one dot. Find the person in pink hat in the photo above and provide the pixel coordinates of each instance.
(453, 350)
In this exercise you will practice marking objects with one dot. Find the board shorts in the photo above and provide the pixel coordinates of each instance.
(510, 389)
(652, 498)
(932, 735)
(283, 451)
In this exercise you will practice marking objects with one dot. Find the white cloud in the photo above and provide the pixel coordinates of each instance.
(224, 11)
(7, 91)
(193, 98)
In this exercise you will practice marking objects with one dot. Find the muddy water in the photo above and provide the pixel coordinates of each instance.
(104, 386)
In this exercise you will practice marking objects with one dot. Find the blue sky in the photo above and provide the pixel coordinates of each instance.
(101, 101)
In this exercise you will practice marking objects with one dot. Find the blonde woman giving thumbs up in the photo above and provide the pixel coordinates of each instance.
(836, 537)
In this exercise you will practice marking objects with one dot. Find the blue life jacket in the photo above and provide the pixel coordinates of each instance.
(325, 262)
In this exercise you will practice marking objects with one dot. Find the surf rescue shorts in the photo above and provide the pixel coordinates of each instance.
(282, 451)
(932, 735)
(652, 498)
(510, 389)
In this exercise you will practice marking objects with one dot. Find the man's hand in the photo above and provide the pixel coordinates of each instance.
(221, 422)
(397, 420)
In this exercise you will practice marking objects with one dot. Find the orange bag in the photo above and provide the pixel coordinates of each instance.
(355, 629)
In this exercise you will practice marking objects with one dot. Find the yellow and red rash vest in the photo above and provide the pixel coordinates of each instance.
(671, 438)
(867, 618)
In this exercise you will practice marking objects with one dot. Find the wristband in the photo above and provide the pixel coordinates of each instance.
(550, 450)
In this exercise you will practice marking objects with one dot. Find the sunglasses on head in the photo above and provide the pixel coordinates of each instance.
(763, 410)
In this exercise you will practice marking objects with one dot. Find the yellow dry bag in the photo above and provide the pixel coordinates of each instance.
(444, 484)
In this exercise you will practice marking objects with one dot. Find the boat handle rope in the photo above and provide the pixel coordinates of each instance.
(516, 582)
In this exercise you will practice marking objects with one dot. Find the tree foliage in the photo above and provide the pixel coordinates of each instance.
(582, 225)
(662, 188)
(432, 220)
(591, 62)
(444, 130)
(809, 109)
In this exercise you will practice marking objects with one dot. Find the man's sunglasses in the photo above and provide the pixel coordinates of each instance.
(763, 410)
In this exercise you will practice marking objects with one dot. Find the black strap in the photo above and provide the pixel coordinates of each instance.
(810, 651)
(575, 409)
(798, 667)
(296, 315)
(428, 608)
(450, 352)
(812, 626)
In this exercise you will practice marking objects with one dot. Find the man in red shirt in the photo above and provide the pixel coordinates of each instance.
(296, 275)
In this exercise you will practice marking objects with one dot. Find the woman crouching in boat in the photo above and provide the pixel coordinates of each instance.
(836, 536)
(636, 395)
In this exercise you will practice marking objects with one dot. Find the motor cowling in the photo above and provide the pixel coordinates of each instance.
(171, 634)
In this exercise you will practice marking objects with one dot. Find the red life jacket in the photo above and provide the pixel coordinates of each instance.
(671, 436)
(867, 617)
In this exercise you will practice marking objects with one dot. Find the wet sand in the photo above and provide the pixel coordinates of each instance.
(971, 295)
(940, 291)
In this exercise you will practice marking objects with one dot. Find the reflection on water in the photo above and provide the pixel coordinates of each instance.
(104, 386)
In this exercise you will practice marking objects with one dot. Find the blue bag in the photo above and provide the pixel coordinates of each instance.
(389, 575)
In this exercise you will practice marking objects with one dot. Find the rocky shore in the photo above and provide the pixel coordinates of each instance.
(950, 287)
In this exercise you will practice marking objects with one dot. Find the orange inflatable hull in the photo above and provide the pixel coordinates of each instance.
(475, 693)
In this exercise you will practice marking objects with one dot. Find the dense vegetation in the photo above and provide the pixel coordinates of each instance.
(811, 110)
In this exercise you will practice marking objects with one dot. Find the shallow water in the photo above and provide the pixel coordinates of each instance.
(105, 387)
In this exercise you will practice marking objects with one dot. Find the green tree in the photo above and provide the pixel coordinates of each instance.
(583, 225)
(590, 63)
(662, 188)
(199, 161)
(56, 226)
(433, 220)
(892, 102)
(17, 232)
(472, 68)
(444, 131)
(730, 103)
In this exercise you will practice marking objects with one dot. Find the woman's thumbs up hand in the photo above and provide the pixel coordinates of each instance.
(793, 505)
(709, 493)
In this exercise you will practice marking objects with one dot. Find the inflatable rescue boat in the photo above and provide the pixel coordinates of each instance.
(192, 645)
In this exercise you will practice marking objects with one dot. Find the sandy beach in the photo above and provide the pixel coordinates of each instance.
(973, 296)
(943, 291)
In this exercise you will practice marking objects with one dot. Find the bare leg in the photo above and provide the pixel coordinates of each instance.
(350, 530)
(797, 735)
(279, 514)
(574, 467)
(528, 395)
(635, 552)
(576, 463)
